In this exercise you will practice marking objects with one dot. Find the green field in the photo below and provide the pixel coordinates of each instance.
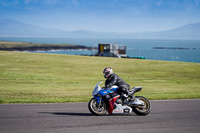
(9, 44)
(51, 78)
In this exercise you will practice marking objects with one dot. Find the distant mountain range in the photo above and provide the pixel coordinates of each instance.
(11, 28)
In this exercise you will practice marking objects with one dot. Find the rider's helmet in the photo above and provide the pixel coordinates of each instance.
(107, 72)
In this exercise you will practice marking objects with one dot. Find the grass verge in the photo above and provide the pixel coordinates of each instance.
(10, 44)
(51, 78)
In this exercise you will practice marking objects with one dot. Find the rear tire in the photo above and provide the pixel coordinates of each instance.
(95, 108)
(142, 110)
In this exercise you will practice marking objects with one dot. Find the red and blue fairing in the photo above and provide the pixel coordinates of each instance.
(102, 92)
(110, 95)
(111, 102)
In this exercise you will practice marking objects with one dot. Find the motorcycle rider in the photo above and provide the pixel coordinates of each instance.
(114, 79)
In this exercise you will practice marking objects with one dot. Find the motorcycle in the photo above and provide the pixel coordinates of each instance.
(108, 100)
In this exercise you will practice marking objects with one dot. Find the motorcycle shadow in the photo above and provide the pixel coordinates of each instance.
(83, 114)
(64, 113)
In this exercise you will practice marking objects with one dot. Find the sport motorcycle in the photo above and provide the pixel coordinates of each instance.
(108, 100)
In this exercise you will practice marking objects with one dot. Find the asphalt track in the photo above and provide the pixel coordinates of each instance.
(168, 116)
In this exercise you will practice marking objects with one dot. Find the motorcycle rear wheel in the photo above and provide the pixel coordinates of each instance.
(95, 108)
(142, 110)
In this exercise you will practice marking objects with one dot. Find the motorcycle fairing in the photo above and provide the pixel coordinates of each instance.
(98, 99)
(103, 92)
(119, 109)
(111, 103)
(114, 88)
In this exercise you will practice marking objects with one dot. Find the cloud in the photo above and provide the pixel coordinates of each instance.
(75, 2)
(27, 1)
(159, 3)
(4, 4)
(197, 2)
(8, 3)
(54, 3)
(50, 2)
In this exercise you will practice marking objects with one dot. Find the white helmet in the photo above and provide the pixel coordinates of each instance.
(107, 72)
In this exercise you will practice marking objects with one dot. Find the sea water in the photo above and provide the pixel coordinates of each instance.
(179, 50)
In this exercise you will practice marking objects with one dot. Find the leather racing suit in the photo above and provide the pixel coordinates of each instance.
(114, 79)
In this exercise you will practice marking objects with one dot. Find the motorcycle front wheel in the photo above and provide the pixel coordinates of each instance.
(142, 109)
(95, 108)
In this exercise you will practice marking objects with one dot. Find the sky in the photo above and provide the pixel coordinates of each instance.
(121, 16)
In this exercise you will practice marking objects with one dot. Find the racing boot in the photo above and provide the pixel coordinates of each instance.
(130, 94)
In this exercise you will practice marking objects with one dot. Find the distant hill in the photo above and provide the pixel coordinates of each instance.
(17, 29)
(189, 31)
(11, 28)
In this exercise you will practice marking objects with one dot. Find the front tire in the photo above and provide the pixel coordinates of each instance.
(95, 108)
(142, 110)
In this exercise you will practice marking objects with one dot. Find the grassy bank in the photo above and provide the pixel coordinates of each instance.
(29, 46)
(10, 44)
(49, 78)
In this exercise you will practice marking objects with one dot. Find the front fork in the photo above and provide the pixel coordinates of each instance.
(99, 99)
